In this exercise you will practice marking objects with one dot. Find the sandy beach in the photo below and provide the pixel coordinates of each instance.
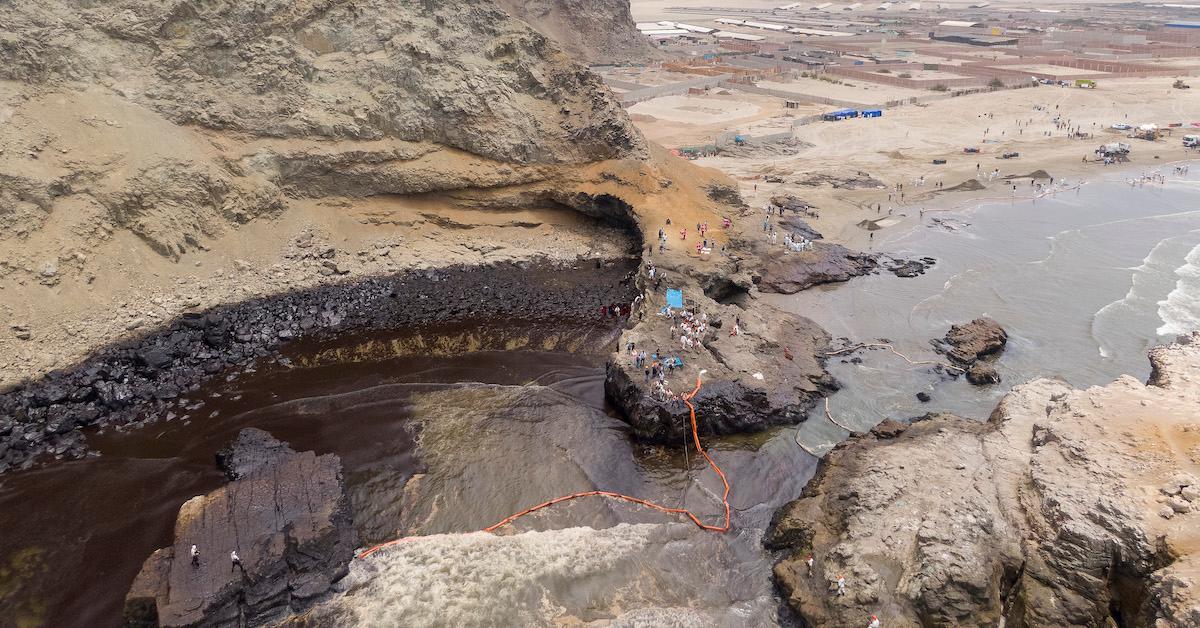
(900, 147)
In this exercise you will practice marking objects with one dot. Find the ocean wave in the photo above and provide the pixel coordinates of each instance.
(1180, 311)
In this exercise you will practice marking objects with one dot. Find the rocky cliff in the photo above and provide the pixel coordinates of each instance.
(165, 161)
(172, 118)
(136, 133)
(1066, 508)
(593, 31)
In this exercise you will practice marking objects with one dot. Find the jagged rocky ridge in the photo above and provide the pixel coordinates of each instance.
(1066, 508)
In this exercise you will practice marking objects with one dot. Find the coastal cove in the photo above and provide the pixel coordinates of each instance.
(491, 313)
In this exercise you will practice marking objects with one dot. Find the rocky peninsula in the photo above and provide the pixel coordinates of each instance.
(1065, 508)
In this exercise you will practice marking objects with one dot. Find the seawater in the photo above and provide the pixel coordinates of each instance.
(1085, 282)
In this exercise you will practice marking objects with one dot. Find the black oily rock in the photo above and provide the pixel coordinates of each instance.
(252, 449)
(138, 380)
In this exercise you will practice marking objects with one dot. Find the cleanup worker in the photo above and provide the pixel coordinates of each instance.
(841, 585)
(195, 556)
(809, 562)
(235, 561)
(874, 622)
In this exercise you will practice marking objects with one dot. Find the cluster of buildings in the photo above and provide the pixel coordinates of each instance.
(927, 48)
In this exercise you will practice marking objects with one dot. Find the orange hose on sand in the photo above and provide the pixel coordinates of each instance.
(687, 399)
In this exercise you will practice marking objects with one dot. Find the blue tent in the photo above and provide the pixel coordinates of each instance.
(675, 298)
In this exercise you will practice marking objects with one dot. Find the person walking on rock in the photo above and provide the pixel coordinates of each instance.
(841, 585)
(235, 561)
(809, 563)
(195, 556)
(874, 622)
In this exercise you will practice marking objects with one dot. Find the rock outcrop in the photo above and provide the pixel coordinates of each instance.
(788, 272)
(769, 373)
(253, 103)
(965, 344)
(288, 518)
(593, 31)
(1066, 508)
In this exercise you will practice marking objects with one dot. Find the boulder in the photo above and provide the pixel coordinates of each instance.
(964, 344)
(287, 515)
(982, 374)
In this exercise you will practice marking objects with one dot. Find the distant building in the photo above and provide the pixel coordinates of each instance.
(737, 36)
(974, 40)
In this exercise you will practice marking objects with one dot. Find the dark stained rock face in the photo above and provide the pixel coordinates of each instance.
(967, 343)
(288, 518)
(251, 450)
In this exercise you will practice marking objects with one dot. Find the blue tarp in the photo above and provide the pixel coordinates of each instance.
(840, 114)
(872, 113)
(675, 298)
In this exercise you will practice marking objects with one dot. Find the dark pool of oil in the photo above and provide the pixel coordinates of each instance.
(74, 534)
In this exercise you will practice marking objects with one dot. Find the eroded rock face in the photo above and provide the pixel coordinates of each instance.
(288, 518)
(252, 104)
(1052, 513)
(594, 31)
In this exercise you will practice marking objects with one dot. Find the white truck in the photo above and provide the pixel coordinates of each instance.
(1191, 141)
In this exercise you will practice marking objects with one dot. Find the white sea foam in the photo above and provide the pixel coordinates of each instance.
(624, 574)
(1180, 311)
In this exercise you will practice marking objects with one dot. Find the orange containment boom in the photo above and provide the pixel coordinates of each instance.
(687, 399)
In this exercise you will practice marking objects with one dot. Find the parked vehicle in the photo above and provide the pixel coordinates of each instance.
(970, 150)
(1012, 155)
(1191, 141)
(1121, 126)
(1113, 149)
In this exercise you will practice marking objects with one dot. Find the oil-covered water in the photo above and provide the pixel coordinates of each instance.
(434, 445)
